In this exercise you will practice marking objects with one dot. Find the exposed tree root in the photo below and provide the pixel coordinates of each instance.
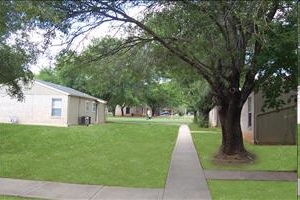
(240, 157)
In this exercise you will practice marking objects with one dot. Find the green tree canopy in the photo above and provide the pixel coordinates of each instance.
(228, 43)
(14, 56)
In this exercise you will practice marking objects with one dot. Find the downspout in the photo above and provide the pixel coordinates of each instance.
(78, 110)
(68, 114)
(96, 113)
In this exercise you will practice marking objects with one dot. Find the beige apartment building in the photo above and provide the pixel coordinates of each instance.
(51, 104)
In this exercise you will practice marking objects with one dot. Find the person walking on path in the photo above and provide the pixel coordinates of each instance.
(149, 115)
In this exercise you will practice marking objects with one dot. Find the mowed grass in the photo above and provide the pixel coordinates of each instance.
(268, 157)
(113, 154)
(16, 198)
(252, 190)
(166, 120)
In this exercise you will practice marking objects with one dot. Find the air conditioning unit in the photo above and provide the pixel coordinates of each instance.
(84, 120)
(13, 119)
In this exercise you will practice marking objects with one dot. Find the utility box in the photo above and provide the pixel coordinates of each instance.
(84, 120)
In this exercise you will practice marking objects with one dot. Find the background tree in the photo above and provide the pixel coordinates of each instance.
(14, 55)
(19, 20)
(115, 78)
(48, 74)
(162, 95)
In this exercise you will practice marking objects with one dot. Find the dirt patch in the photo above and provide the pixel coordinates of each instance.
(243, 157)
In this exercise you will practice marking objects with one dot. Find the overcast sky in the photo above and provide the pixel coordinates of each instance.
(47, 59)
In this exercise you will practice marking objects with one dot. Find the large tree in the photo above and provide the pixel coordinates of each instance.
(226, 42)
(15, 51)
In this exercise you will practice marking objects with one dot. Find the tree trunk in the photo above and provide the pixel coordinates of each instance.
(232, 148)
(122, 110)
(195, 117)
(114, 112)
(153, 110)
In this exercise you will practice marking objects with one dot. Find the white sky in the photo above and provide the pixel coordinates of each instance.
(47, 59)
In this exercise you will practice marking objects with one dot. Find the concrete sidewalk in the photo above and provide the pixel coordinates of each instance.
(59, 191)
(186, 180)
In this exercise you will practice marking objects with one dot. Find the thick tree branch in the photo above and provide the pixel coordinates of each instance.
(201, 67)
(250, 74)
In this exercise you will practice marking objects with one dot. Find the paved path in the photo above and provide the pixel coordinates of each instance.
(53, 190)
(186, 180)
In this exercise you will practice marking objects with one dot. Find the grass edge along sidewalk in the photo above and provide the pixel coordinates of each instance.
(88, 155)
(207, 142)
(5, 197)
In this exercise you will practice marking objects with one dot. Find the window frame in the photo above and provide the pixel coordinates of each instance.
(127, 110)
(94, 107)
(55, 107)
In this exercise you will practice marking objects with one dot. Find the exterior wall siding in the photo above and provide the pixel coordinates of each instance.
(78, 108)
(134, 111)
(73, 110)
(101, 113)
(275, 126)
(298, 105)
(35, 109)
(248, 131)
(83, 111)
(137, 111)
(213, 118)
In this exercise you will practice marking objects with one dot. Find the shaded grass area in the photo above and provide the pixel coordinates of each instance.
(268, 157)
(195, 128)
(258, 190)
(111, 154)
(168, 120)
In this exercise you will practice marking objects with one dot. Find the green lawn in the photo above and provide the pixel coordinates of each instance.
(252, 190)
(269, 157)
(155, 120)
(275, 157)
(16, 198)
(132, 155)
(116, 154)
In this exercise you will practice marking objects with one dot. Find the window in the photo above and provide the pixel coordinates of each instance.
(127, 111)
(94, 107)
(56, 107)
(87, 106)
(249, 112)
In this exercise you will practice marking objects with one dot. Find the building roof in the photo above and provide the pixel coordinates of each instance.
(68, 91)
